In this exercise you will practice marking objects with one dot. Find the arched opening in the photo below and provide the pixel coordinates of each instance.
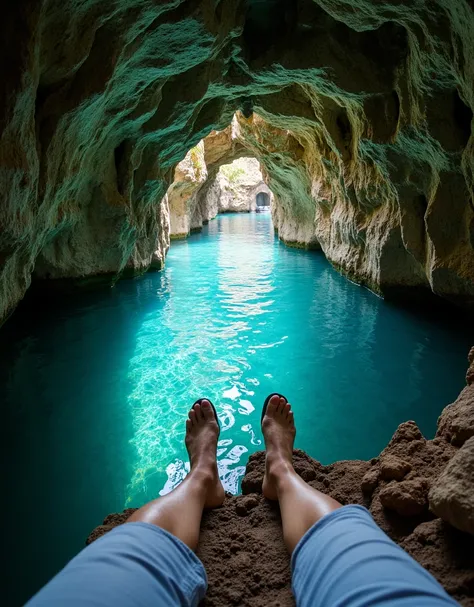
(262, 202)
(206, 186)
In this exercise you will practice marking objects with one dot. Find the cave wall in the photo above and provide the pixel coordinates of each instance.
(237, 185)
(363, 127)
(189, 176)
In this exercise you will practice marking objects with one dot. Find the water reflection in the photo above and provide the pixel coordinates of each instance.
(198, 344)
(226, 325)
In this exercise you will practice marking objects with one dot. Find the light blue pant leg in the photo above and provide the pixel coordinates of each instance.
(134, 565)
(345, 559)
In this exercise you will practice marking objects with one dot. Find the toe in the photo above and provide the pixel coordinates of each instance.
(286, 410)
(198, 411)
(207, 410)
(192, 417)
(281, 406)
(189, 425)
(291, 418)
(273, 404)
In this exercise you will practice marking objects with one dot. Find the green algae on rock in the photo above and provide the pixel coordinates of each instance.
(360, 114)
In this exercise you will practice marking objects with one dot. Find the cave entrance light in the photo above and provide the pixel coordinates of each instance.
(262, 201)
(240, 187)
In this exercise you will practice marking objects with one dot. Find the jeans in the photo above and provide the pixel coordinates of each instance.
(345, 559)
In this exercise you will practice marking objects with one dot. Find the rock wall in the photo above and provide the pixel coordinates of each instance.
(365, 139)
(195, 198)
(237, 185)
(365, 224)
(189, 176)
(199, 192)
(419, 491)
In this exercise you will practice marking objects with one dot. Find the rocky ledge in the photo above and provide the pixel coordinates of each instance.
(421, 492)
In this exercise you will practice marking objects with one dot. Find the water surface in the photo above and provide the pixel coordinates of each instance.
(96, 389)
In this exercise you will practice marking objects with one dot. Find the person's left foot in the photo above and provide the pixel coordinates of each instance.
(202, 432)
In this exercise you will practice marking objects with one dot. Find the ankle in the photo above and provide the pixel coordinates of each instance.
(278, 468)
(204, 471)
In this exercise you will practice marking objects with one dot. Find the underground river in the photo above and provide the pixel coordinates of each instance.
(96, 387)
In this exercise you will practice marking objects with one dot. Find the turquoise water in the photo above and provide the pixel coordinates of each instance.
(96, 388)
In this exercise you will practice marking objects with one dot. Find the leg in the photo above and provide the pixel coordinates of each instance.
(340, 557)
(180, 511)
(149, 560)
(301, 505)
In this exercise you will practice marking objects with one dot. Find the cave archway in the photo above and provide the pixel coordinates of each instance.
(262, 201)
(338, 133)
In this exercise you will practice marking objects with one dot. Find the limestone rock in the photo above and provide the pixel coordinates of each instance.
(239, 183)
(407, 498)
(233, 190)
(470, 371)
(452, 496)
(364, 136)
(456, 422)
(189, 175)
(198, 193)
(394, 468)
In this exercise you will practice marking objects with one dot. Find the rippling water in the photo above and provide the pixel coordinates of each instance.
(96, 388)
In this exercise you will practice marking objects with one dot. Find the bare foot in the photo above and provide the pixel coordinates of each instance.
(279, 432)
(202, 432)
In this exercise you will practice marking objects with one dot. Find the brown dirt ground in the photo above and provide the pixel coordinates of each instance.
(241, 543)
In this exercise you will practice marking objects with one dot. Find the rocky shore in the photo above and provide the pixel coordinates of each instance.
(421, 492)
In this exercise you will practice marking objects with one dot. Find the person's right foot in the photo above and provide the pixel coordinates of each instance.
(279, 432)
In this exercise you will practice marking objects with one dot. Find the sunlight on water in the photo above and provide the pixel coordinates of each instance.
(238, 316)
(202, 344)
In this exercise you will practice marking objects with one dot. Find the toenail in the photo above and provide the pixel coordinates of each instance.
(205, 403)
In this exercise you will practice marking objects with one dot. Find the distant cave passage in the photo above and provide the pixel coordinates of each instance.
(263, 201)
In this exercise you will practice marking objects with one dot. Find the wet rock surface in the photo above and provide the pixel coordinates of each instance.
(241, 543)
